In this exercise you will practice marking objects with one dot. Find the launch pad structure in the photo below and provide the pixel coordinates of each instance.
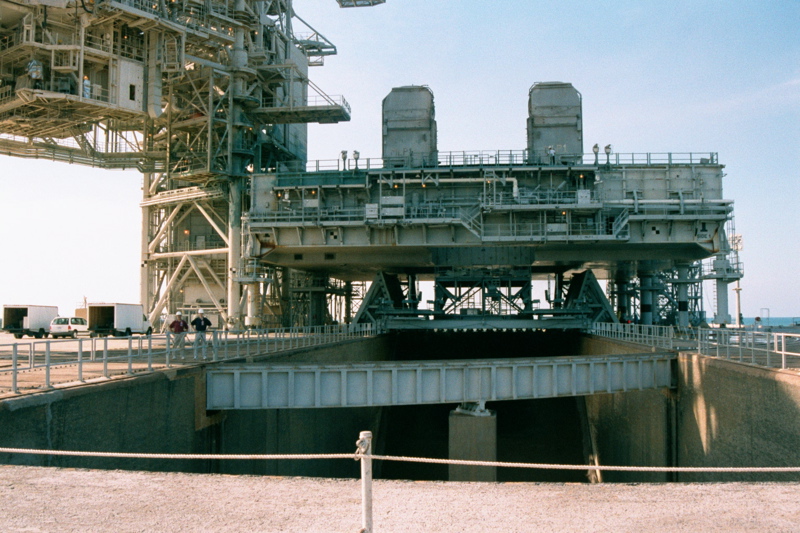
(210, 101)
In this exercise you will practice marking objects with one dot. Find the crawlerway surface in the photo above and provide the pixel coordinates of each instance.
(56, 499)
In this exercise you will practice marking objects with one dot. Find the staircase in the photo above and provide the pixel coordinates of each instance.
(471, 218)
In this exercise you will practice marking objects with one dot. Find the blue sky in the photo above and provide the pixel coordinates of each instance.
(701, 76)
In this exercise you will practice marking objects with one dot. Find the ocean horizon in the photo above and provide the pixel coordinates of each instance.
(774, 321)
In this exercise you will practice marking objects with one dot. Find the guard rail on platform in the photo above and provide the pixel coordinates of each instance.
(750, 346)
(498, 158)
(42, 364)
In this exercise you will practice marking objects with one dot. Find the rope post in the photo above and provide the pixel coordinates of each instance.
(364, 453)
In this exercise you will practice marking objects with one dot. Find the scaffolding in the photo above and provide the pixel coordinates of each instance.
(195, 95)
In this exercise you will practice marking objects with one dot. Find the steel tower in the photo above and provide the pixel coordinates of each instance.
(195, 94)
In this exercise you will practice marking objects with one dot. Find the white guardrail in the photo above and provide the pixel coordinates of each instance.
(752, 346)
(45, 363)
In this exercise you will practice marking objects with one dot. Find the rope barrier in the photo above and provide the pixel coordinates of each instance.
(544, 466)
(360, 453)
(124, 455)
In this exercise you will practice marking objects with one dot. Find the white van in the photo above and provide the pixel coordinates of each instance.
(69, 326)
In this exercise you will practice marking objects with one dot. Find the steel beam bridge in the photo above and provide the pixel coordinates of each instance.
(287, 386)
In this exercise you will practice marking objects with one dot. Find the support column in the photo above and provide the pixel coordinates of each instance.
(145, 293)
(723, 275)
(473, 437)
(235, 186)
(559, 291)
(348, 301)
(646, 297)
(623, 299)
(253, 317)
(683, 296)
(318, 300)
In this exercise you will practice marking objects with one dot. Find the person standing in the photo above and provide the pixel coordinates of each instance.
(178, 327)
(87, 87)
(35, 72)
(200, 324)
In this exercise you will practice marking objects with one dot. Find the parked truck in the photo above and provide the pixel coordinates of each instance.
(117, 320)
(31, 320)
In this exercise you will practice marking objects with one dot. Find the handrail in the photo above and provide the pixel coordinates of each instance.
(81, 359)
(749, 346)
(503, 158)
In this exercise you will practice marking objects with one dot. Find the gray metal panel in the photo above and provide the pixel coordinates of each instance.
(278, 386)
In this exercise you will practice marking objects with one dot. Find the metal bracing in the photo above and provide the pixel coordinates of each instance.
(673, 295)
(283, 386)
(315, 299)
(171, 89)
(470, 292)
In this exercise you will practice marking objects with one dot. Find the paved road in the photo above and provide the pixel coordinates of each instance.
(52, 499)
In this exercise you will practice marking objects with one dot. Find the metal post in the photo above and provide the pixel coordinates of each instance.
(130, 356)
(47, 365)
(149, 353)
(364, 444)
(105, 357)
(214, 345)
(783, 350)
(166, 357)
(80, 359)
(14, 388)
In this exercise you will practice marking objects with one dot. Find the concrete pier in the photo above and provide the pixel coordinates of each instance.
(472, 437)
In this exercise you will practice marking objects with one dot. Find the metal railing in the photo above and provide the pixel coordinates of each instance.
(660, 336)
(750, 346)
(502, 158)
(46, 363)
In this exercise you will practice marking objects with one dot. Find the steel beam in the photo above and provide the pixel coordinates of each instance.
(288, 386)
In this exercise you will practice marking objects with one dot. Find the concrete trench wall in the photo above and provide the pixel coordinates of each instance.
(731, 414)
(631, 428)
(722, 414)
(164, 412)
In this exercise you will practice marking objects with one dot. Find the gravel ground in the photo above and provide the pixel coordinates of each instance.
(54, 499)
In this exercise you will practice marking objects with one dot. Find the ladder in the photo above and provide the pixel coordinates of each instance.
(171, 59)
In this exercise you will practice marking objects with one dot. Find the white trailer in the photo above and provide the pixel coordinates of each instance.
(31, 320)
(117, 320)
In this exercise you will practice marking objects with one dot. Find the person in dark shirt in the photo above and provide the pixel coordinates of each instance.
(200, 324)
(178, 327)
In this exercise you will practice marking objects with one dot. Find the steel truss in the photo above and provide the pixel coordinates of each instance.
(195, 95)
